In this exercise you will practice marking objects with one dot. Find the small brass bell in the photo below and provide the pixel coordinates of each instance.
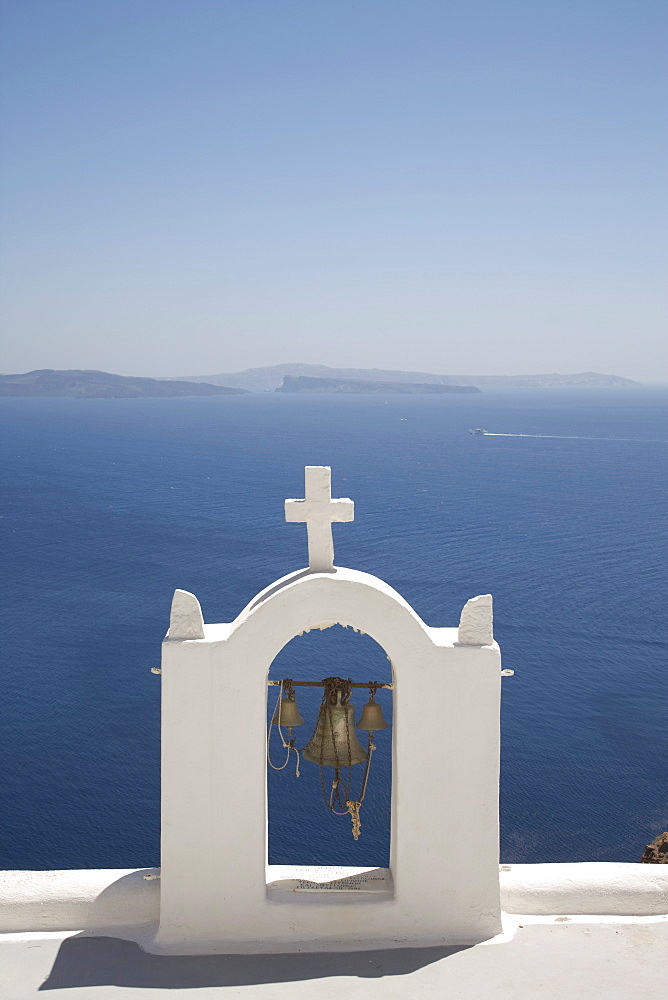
(287, 713)
(372, 717)
(335, 742)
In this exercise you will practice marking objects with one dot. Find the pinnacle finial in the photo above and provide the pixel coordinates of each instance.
(185, 620)
(475, 624)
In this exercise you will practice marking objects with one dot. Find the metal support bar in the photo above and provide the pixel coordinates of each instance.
(317, 684)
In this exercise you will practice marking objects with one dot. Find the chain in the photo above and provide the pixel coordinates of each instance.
(350, 757)
(336, 690)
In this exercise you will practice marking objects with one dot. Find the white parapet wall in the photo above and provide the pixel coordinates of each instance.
(89, 899)
(597, 887)
(127, 902)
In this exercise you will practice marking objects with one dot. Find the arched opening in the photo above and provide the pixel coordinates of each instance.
(301, 829)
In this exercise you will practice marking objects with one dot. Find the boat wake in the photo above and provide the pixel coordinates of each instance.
(572, 437)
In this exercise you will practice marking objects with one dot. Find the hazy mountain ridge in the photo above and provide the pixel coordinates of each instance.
(271, 377)
(88, 384)
(91, 384)
(304, 383)
(585, 380)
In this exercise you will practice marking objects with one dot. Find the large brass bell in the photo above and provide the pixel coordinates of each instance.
(372, 717)
(335, 742)
(287, 713)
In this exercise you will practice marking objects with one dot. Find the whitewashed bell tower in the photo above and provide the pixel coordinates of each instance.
(218, 895)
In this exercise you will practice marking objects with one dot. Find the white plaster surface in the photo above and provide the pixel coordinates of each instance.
(108, 899)
(185, 620)
(552, 957)
(318, 511)
(546, 958)
(327, 878)
(87, 899)
(214, 692)
(475, 623)
(586, 887)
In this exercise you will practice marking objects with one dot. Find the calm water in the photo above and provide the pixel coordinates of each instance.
(111, 504)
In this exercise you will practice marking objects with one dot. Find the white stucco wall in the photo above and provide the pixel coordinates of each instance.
(87, 899)
(123, 902)
(214, 895)
(600, 887)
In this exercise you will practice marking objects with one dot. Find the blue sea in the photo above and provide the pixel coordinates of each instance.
(109, 505)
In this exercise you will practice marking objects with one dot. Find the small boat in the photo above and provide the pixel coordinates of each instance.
(478, 430)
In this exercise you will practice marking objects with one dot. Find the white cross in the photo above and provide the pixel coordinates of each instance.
(319, 510)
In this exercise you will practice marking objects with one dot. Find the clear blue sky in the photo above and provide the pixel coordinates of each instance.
(196, 186)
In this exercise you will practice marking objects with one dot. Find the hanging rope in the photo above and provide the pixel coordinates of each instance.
(336, 690)
(354, 810)
(355, 807)
(287, 744)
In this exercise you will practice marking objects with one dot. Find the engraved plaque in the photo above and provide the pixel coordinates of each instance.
(329, 878)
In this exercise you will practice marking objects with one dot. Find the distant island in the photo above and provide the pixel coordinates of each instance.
(269, 378)
(583, 380)
(85, 384)
(89, 384)
(303, 383)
